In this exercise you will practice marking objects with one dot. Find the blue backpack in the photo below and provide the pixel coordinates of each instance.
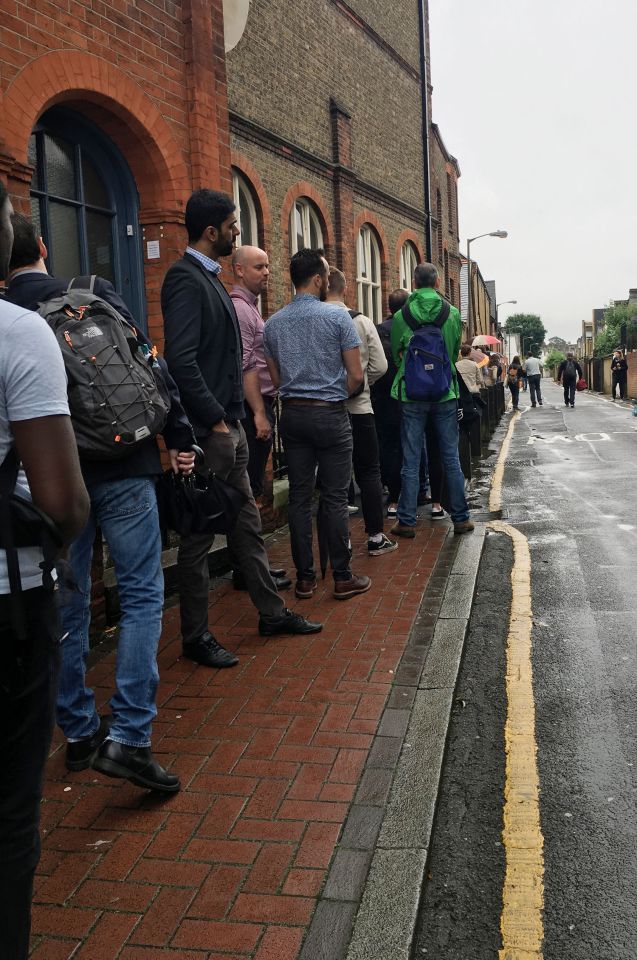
(428, 373)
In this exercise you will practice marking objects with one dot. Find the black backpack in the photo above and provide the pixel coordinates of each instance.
(570, 370)
(114, 397)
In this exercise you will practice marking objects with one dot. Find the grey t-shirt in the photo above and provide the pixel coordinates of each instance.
(32, 384)
(306, 339)
(532, 366)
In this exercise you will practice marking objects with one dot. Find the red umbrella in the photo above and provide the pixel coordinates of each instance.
(485, 340)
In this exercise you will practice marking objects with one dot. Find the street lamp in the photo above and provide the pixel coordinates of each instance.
(494, 233)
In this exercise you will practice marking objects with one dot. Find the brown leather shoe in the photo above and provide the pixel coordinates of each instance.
(304, 589)
(465, 527)
(344, 589)
(402, 530)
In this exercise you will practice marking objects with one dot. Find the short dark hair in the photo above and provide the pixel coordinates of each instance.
(207, 208)
(397, 300)
(26, 249)
(4, 196)
(337, 280)
(465, 349)
(425, 275)
(305, 264)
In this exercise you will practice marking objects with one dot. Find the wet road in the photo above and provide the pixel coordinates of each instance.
(570, 486)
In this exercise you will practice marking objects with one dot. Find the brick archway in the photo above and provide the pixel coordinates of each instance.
(304, 189)
(121, 109)
(368, 217)
(249, 172)
(409, 236)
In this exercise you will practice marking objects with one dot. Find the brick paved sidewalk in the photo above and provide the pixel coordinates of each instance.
(270, 755)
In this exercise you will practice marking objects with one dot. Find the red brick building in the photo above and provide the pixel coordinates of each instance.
(112, 112)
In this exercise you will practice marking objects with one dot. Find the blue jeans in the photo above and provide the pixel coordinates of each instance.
(444, 419)
(126, 512)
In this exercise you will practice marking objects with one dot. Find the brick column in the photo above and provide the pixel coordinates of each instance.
(344, 179)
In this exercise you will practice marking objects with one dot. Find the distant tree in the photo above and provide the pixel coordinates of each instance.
(610, 337)
(557, 343)
(531, 330)
(553, 359)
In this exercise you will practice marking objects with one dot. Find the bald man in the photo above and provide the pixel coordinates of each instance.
(251, 273)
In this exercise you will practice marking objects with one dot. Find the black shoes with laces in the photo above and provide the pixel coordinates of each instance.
(288, 622)
(381, 547)
(206, 651)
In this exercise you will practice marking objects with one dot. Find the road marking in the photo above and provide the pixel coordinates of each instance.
(521, 923)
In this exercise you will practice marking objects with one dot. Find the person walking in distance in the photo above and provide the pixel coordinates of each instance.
(364, 437)
(426, 315)
(514, 380)
(251, 269)
(619, 370)
(35, 429)
(124, 506)
(567, 374)
(533, 369)
(313, 353)
(204, 354)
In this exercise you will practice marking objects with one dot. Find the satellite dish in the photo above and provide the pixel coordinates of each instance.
(235, 17)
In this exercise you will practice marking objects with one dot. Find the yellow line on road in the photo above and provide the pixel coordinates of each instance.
(521, 922)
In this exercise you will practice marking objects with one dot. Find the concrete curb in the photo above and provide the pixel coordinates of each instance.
(369, 906)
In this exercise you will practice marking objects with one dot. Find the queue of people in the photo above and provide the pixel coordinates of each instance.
(214, 392)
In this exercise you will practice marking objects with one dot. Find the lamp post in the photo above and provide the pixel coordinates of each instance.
(494, 233)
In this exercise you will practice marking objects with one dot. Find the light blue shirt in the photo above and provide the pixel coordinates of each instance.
(306, 339)
(207, 262)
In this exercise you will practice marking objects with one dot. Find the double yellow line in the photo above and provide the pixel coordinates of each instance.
(523, 895)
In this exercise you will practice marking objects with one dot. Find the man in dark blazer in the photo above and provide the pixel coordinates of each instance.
(204, 354)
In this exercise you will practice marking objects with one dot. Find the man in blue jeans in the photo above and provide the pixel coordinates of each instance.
(425, 304)
(124, 506)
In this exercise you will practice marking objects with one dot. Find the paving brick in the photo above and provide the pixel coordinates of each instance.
(313, 810)
(270, 869)
(150, 953)
(348, 766)
(203, 934)
(162, 919)
(65, 878)
(280, 943)
(223, 814)
(266, 799)
(269, 909)
(55, 949)
(218, 893)
(308, 782)
(176, 873)
(303, 883)
(66, 922)
(120, 857)
(268, 830)
(119, 895)
(175, 833)
(107, 937)
(318, 845)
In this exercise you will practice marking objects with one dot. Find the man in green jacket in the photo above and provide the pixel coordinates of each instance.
(425, 304)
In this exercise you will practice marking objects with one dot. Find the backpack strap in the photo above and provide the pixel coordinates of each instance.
(439, 322)
(355, 313)
(8, 477)
(83, 283)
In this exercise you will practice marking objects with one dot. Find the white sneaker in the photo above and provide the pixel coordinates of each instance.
(438, 514)
(352, 509)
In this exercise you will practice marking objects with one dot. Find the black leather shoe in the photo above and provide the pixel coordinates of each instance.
(281, 582)
(136, 764)
(78, 754)
(288, 622)
(206, 651)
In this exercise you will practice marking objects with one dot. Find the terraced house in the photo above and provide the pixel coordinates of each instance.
(317, 115)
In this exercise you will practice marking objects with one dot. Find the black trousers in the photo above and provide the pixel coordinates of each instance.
(535, 387)
(367, 470)
(318, 437)
(434, 460)
(569, 391)
(258, 450)
(515, 393)
(619, 381)
(387, 423)
(28, 686)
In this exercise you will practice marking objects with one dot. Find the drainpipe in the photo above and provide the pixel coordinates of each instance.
(424, 93)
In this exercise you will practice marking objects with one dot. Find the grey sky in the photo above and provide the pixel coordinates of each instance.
(536, 99)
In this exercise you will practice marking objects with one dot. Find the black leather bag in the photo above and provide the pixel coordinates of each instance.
(199, 503)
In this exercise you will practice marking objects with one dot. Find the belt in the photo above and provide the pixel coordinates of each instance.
(308, 402)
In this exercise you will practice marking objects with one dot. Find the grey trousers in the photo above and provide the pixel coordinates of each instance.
(227, 455)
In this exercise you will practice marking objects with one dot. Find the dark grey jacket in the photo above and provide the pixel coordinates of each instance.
(202, 344)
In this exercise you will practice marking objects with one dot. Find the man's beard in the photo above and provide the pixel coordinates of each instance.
(227, 250)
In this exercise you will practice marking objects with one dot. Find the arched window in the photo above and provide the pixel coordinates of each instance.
(368, 275)
(447, 277)
(408, 263)
(305, 227)
(246, 211)
(451, 203)
(84, 204)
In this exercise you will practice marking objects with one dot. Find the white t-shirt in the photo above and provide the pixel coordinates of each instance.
(532, 366)
(32, 384)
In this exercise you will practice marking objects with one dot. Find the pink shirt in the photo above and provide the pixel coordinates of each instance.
(252, 325)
